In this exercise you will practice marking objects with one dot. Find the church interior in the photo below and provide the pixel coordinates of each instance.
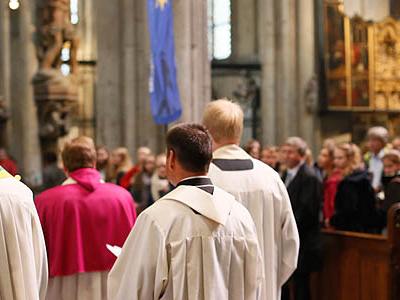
(317, 69)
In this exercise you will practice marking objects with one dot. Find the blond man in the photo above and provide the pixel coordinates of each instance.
(259, 188)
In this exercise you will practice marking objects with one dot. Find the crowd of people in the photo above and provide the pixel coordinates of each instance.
(359, 184)
(357, 187)
(216, 221)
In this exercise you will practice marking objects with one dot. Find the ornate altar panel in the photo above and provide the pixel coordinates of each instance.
(361, 62)
(387, 64)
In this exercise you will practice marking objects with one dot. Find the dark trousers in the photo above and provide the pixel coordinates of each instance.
(297, 288)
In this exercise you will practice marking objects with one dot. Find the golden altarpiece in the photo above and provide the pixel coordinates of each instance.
(361, 62)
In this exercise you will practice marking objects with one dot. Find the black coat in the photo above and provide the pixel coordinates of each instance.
(305, 192)
(392, 194)
(355, 204)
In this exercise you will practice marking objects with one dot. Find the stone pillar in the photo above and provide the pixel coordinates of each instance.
(286, 70)
(193, 66)
(267, 52)
(244, 41)
(307, 86)
(123, 115)
(109, 115)
(26, 146)
(86, 32)
(277, 41)
(5, 63)
(147, 132)
(286, 53)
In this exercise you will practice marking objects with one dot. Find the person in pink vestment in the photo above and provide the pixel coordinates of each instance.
(78, 219)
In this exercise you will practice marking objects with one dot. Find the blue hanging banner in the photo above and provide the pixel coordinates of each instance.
(164, 94)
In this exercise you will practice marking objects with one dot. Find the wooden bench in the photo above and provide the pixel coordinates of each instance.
(359, 266)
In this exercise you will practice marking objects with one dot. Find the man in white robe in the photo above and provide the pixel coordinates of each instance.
(23, 262)
(196, 242)
(260, 189)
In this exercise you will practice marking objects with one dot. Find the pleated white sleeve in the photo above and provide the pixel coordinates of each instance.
(141, 271)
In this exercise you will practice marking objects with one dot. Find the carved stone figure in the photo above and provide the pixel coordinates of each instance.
(311, 95)
(54, 117)
(55, 94)
(54, 29)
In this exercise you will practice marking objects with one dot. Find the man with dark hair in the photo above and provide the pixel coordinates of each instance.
(79, 218)
(196, 242)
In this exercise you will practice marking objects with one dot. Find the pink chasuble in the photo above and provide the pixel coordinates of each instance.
(80, 218)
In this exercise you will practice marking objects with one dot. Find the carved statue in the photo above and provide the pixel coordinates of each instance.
(53, 119)
(247, 90)
(54, 29)
(55, 94)
(311, 94)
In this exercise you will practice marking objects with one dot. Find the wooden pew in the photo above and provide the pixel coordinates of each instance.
(359, 266)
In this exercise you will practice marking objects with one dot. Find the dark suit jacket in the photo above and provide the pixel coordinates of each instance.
(305, 191)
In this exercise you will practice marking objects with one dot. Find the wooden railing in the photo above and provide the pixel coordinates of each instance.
(359, 266)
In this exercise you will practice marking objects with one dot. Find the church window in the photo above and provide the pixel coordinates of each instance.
(65, 58)
(219, 29)
(74, 12)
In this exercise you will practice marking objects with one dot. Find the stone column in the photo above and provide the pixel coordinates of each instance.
(123, 115)
(193, 66)
(286, 70)
(86, 31)
(286, 53)
(25, 136)
(109, 114)
(277, 41)
(307, 87)
(148, 133)
(244, 39)
(267, 53)
(5, 61)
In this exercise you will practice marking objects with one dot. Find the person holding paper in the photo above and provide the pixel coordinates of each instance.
(23, 261)
(259, 188)
(79, 218)
(196, 242)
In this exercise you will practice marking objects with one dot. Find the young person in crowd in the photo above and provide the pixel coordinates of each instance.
(355, 201)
